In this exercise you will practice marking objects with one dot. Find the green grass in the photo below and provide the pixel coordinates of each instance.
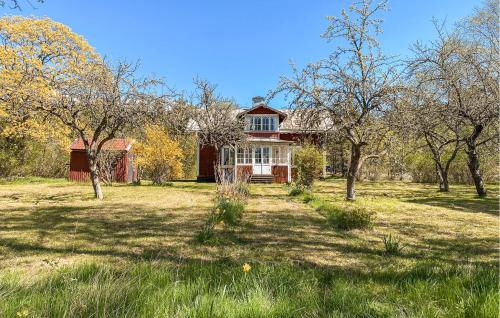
(222, 289)
(134, 254)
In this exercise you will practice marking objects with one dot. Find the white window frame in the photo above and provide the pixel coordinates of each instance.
(230, 159)
(246, 158)
(269, 121)
(280, 155)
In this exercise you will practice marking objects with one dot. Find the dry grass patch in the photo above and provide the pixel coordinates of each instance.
(60, 222)
(62, 253)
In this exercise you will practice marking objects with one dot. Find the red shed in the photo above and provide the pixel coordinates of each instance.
(125, 170)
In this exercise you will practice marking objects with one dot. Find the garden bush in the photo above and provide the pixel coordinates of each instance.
(229, 210)
(309, 162)
(295, 190)
(347, 218)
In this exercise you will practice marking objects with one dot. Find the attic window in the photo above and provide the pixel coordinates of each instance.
(261, 123)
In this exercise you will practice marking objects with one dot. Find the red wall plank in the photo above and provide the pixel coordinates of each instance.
(280, 174)
(207, 159)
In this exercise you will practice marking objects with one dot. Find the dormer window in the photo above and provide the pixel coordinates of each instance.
(261, 123)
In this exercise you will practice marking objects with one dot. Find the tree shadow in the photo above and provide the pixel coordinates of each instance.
(143, 231)
(487, 205)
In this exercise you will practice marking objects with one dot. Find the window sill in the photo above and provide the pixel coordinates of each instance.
(261, 131)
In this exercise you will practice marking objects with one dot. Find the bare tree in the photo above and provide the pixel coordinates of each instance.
(216, 119)
(100, 105)
(107, 161)
(462, 69)
(421, 113)
(351, 85)
(477, 91)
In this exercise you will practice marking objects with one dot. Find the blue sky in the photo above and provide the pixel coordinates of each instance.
(242, 46)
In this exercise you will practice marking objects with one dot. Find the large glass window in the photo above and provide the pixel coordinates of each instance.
(244, 156)
(265, 155)
(265, 123)
(280, 155)
(227, 156)
(261, 123)
(258, 155)
(257, 123)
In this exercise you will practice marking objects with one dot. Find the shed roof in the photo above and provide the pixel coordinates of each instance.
(113, 144)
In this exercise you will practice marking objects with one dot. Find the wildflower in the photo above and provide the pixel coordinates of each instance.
(221, 223)
(23, 313)
(246, 267)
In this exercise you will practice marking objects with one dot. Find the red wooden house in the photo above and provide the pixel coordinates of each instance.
(267, 155)
(123, 172)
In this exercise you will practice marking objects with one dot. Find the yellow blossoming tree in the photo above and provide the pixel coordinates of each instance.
(47, 71)
(159, 155)
(36, 57)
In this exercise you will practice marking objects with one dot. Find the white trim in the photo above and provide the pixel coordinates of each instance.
(289, 155)
(236, 163)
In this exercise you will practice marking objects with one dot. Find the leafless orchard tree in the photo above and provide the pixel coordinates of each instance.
(101, 105)
(461, 68)
(421, 114)
(477, 92)
(215, 118)
(107, 161)
(351, 85)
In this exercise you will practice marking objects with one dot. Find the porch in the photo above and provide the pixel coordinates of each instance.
(258, 161)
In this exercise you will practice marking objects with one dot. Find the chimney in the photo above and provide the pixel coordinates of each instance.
(257, 100)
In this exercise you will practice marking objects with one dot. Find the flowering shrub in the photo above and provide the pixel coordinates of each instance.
(160, 156)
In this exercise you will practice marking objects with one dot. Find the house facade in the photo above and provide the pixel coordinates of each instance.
(266, 155)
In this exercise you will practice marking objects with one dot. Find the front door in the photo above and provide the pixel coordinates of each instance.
(262, 160)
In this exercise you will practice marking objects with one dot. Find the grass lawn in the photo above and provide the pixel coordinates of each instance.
(134, 254)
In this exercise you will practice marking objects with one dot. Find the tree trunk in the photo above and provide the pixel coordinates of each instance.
(443, 179)
(353, 171)
(94, 177)
(473, 163)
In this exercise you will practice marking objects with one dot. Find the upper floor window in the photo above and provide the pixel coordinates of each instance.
(261, 123)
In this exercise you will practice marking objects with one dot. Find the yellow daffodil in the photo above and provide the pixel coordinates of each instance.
(246, 267)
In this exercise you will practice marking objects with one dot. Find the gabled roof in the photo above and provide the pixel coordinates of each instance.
(113, 144)
(262, 105)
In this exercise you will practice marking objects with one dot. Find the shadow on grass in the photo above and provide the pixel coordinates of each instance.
(487, 205)
(141, 232)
